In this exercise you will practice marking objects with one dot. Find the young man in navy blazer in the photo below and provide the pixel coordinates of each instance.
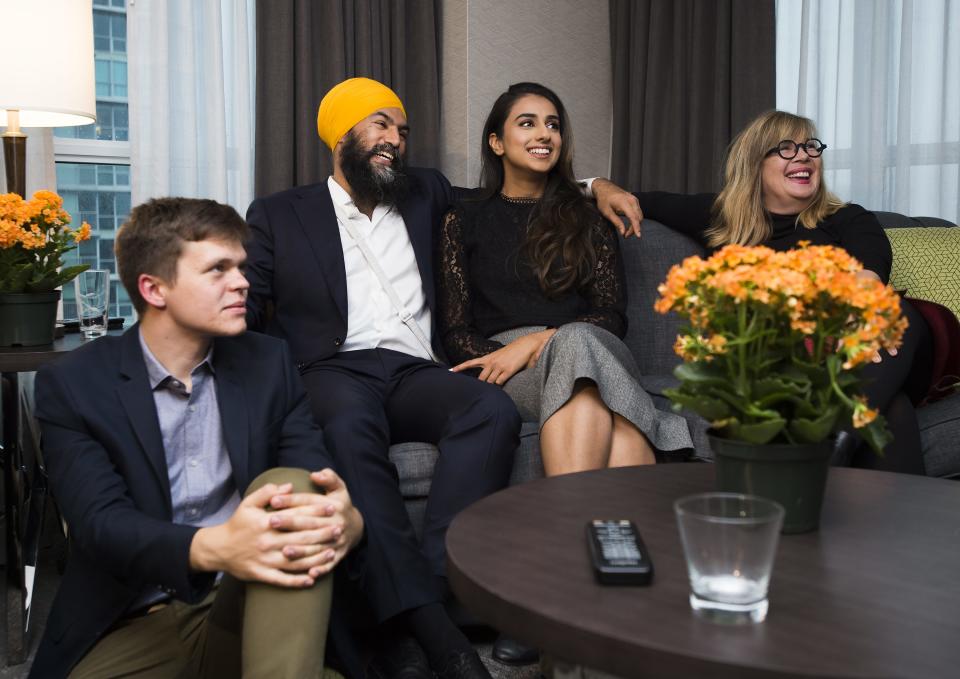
(152, 440)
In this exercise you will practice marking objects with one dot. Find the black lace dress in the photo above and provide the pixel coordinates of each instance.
(489, 296)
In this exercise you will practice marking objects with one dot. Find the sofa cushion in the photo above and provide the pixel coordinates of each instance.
(646, 262)
(939, 436)
(926, 263)
(415, 461)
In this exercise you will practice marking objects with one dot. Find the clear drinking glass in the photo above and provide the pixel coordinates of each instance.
(93, 301)
(729, 541)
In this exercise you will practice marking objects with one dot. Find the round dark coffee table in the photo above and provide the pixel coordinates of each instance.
(874, 593)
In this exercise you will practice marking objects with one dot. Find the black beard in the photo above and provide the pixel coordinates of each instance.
(373, 184)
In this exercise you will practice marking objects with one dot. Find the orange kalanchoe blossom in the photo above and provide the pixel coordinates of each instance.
(862, 413)
(81, 234)
(34, 235)
(770, 334)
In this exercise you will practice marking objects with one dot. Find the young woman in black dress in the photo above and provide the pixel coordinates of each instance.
(532, 296)
(774, 194)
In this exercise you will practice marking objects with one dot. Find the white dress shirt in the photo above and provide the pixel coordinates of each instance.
(372, 322)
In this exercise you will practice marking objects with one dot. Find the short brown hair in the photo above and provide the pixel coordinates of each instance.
(151, 240)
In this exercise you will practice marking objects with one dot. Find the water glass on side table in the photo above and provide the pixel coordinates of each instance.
(729, 541)
(93, 302)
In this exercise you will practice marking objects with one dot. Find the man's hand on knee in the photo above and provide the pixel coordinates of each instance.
(291, 546)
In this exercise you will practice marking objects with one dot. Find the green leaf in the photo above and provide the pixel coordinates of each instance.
(876, 434)
(757, 432)
(779, 402)
(769, 391)
(815, 372)
(848, 378)
(50, 279)
(18, 277)
(795, 373)
(726, 393)
(769, 386)
(42, 285)
(69, 273)
(704, 406)
(807, 430)
(699, 373)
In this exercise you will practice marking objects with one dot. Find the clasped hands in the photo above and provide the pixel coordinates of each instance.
(303, 537)
(499, 366)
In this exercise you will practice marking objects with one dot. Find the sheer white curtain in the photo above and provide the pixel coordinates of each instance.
(882, 80)
(191, 70)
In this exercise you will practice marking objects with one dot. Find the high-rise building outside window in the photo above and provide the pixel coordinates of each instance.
(93, 161)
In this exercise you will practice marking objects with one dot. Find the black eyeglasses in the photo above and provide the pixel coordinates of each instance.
(788, 149)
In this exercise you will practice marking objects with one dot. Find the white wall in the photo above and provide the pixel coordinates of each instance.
(489, 44)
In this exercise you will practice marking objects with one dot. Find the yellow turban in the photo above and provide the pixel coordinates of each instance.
(350, 102)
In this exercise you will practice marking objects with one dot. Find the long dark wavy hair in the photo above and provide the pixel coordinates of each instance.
(558, 246)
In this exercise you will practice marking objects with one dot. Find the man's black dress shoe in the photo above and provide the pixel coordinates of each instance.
(512, 652)
(399, 657)
(463, 665)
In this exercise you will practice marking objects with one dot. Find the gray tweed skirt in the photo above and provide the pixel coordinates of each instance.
(586, 351)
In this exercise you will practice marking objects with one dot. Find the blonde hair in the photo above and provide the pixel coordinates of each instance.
(738, 213)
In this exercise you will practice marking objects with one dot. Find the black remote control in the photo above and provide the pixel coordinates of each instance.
(618, 554)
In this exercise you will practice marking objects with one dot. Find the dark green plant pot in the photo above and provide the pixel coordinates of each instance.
(793, 475)
(27, 319)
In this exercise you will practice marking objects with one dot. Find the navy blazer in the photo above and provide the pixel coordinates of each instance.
(298, 284)
(105, 459)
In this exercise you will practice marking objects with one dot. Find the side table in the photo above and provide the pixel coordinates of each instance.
(24, 488)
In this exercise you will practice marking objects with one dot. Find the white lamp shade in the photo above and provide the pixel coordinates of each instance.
(47, 68)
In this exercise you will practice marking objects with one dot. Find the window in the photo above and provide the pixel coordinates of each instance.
(882, 81)
(93, 161)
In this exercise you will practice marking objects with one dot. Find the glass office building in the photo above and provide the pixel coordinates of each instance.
(93, 161)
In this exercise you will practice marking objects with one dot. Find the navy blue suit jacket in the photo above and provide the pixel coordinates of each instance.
(108, 473)
(298, 284)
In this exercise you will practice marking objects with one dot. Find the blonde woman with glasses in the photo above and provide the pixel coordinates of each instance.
(774, 194)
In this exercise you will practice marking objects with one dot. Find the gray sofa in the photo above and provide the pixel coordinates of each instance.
(650, 337)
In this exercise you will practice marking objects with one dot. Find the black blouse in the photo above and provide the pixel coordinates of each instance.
(486, 286)
(852, 228)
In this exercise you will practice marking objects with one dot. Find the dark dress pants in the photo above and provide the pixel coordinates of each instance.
(893, 385)
(369, 399)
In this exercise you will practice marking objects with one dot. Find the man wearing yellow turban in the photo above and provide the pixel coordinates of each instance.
(350, 102)
(366, 355)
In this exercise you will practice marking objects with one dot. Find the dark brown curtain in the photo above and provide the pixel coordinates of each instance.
(305, 47)
(687, 76)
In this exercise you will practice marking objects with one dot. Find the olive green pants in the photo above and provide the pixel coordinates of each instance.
(241, 629)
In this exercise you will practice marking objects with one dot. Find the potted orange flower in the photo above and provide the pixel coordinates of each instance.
(34, 235)
(771, 359)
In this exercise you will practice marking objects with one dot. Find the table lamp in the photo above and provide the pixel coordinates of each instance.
(47, 75)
